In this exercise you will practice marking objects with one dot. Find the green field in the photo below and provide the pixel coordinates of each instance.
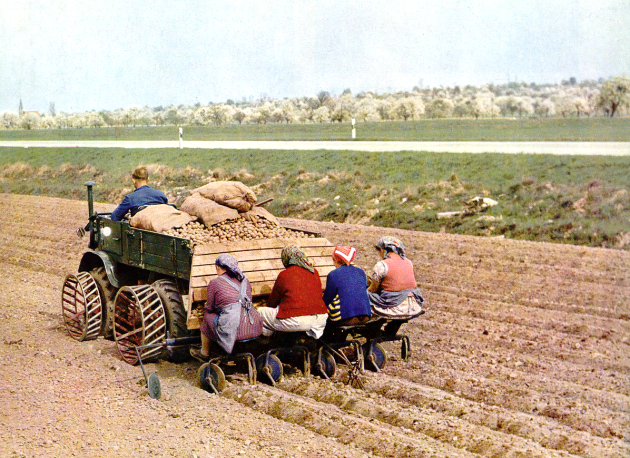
(566, 199)
(501, 129)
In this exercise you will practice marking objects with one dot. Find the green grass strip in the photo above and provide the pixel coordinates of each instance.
(493, 129)
(568, 199)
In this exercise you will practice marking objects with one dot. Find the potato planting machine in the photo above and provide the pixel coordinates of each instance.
(142, 289)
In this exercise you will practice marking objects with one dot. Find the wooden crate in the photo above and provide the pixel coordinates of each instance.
(260, 261)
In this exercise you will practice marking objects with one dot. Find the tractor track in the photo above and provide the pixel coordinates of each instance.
(524, 352)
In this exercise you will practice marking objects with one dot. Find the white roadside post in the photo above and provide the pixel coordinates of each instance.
(354, 129)
(181, 138)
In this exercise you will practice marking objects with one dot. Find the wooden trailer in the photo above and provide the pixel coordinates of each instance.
(260, 261)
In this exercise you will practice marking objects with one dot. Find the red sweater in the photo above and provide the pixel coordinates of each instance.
(297, 292)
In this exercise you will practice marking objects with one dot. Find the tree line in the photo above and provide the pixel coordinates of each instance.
(588, 98)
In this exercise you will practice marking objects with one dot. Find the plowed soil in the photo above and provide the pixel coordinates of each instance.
(524, 351)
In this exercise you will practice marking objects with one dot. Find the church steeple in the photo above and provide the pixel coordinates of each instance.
(21, 109)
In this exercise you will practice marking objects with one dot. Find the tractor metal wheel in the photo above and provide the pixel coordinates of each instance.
(375, 357)
(81, 306)
(108, 294)
(211, 378)
(139, 320)
(325, 364)
(270, 373)
(175, 317)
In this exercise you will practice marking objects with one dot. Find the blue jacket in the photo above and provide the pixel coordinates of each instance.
(141, 197)
(346, 294)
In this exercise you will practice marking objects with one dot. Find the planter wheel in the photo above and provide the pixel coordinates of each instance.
(139, 320)
(81, 306)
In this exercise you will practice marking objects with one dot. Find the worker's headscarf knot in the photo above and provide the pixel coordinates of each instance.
(391, 245)
(230, 264)
(294, 256)
(344, 254)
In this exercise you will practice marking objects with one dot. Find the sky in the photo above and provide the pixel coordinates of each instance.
(85, 55)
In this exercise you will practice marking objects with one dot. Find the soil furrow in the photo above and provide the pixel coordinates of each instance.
(370, 434)
(544, 430)
(562, 406)
(552, 386)
(619, 310)
(606, 352)
(516, 362)
(570, 325)
(402, 404)
(595, 296)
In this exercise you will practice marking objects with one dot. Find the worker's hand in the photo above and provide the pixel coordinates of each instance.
(373, 285)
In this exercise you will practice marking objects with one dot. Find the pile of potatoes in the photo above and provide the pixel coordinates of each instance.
(198, 312)
(251, 228)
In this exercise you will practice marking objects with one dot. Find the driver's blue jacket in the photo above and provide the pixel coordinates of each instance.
(141, 197)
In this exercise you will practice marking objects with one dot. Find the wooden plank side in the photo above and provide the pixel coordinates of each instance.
(168, 254)
(262, 275)
(260, 254)
(159, 247)
(193, 323)
(267, 275)
(158, 260)
(233, 247)
(183, 267)
(254, 266)
(260, 287)
(260, 261)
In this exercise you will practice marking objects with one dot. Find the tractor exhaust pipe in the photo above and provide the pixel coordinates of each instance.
(90, 225)
(89, 185)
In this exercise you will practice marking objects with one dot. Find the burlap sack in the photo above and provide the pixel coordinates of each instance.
(207, 210)
(160, 218)
(260, 212)
(234, 194)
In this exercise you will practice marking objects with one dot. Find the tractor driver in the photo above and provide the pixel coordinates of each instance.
(143, 195)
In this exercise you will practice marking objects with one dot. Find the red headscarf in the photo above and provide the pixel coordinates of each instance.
(344, 254)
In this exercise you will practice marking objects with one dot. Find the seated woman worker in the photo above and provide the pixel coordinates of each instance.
(345, 294)
(295, 302)
(393, 290)
(229, 315)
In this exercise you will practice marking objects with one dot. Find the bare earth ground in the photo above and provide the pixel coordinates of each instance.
(524, 352)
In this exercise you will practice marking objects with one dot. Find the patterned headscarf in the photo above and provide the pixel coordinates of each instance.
(230, 264)
(391, 244)
(344, 254)
(293, 256)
